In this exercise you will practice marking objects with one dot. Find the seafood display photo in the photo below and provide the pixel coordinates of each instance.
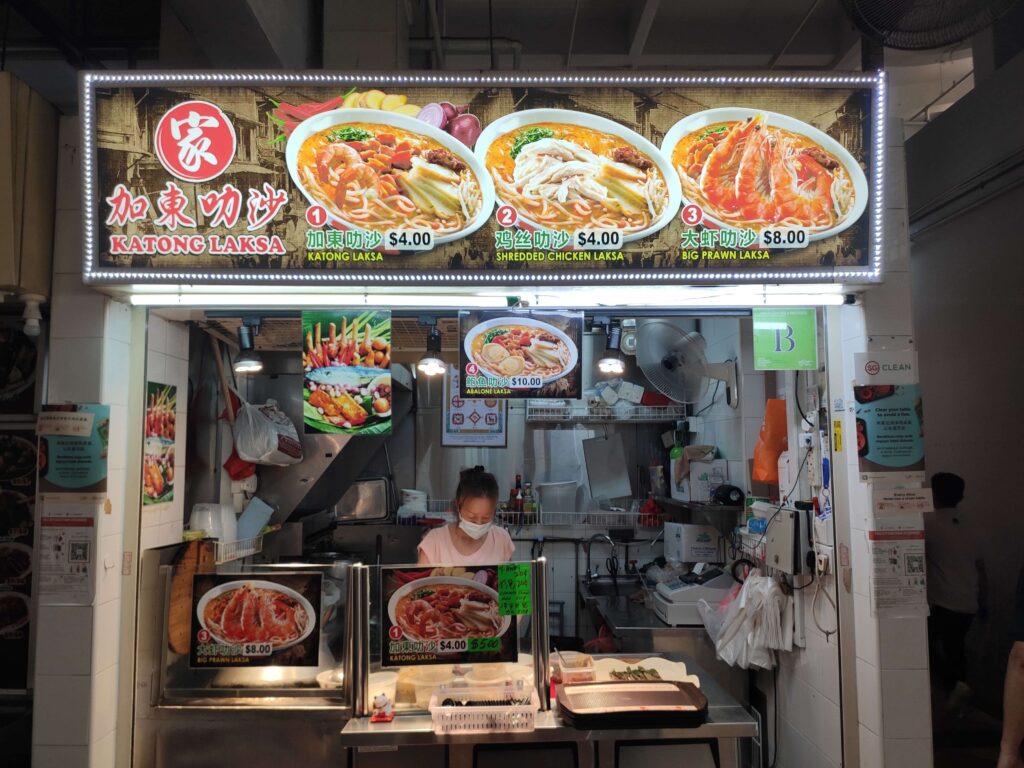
(19, 357)
(255, 619)
(566, 170)
(346, 362)
(445, 615)
(515, 354)
(158, 446)
(754, 169)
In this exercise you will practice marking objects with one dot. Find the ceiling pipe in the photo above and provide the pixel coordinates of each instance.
(435, 27)
(807, 16)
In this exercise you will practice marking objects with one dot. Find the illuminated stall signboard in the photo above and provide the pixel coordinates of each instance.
(345, 179)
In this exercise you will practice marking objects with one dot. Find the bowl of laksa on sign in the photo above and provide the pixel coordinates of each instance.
(385, 171)
(256, 612)
(754, 169)
(446, 607)
(521, 346)
(568, 171)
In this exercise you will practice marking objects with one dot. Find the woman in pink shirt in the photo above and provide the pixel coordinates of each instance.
(473, 539)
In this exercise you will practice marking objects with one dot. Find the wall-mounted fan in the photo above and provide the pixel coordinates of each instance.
(921, 24)
(675, 362)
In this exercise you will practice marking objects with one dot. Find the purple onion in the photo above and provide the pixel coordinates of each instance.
(466, 128)
(450, 110)
(434, 114)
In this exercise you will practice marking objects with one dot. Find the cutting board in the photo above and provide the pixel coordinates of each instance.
(195, 557)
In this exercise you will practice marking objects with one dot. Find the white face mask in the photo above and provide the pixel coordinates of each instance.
(474, 530)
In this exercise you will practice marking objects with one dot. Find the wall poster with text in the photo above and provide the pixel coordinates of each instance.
(255, 620)
(453, 615)
(465, 421)
(520, 353)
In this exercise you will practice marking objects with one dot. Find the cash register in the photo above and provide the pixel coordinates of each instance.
(675, 601)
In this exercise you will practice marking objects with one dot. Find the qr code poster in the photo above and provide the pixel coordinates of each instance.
(67, 553)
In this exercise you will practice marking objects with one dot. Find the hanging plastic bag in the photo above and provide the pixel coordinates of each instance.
(771, 443)
(265, 435)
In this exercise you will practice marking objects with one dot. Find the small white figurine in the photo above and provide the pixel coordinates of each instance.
(382, 710)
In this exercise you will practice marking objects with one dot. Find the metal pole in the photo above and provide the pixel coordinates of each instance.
(541, 641)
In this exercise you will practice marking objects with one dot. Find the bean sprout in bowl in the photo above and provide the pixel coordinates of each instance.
(442, 607)
(521, 346)
(753, 169)
(567, 170)
(380, 171)
(276, 614)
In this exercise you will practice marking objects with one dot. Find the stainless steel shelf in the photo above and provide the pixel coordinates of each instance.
(698, 506)
(585, 414)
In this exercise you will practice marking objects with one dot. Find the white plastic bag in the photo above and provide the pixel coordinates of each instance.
(265, 435)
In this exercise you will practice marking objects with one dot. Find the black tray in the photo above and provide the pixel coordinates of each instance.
(632, 704)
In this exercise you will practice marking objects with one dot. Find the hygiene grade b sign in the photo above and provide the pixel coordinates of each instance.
(205, 178)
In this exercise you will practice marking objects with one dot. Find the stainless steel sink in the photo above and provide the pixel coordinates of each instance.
(605, 587)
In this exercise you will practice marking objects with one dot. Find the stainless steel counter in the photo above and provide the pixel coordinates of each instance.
(727, 723)
(639, 630)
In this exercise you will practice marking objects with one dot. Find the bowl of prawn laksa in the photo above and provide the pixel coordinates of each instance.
(446, 607)
(567, 171)
(382, 171)
(754, 169)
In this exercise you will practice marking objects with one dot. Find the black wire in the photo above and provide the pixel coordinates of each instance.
(796, 396)
(782, 503)
(713, 396)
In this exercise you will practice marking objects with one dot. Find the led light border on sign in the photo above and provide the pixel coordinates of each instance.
(92, 80)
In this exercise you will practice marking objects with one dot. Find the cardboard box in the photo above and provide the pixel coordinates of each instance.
(705, 477)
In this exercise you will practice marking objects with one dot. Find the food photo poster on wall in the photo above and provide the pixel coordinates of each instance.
(346, 360)
(158, 463)
(457, 181)
(515, 353)
(255, 620)
(453, 615)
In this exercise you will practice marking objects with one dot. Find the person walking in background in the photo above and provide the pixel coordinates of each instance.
(956, 587)
(1011, 748)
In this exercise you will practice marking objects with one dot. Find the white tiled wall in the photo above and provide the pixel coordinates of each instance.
(167, 363)
(77, 646)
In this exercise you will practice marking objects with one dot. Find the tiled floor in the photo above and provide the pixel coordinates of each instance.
(971, 741)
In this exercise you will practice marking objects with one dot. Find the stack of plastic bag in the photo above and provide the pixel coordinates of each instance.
(747, 628)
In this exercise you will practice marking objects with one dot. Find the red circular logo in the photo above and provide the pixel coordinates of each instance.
(203, 636)
(472, 369)
(395, 633)
(692, 215)
(195, 141)
(872, 367)
(507, 216)
(316, 215)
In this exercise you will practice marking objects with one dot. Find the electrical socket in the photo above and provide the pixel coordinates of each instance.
(824, 564)
(807, 439)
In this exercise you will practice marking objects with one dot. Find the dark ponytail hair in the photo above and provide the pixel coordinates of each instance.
(476, 483)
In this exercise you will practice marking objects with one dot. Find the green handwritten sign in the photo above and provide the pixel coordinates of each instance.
(484, 645)
(515, 589)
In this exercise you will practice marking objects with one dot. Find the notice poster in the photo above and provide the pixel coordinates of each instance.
(785, 339)
(328, 178)
(67, 552)
(898, 581)
(158, 459)
(471, 421)
(889, 416)
(17, 560)
(73, 442)
(448, 615)
(259, 620)
(346, 358)
(520, 353)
